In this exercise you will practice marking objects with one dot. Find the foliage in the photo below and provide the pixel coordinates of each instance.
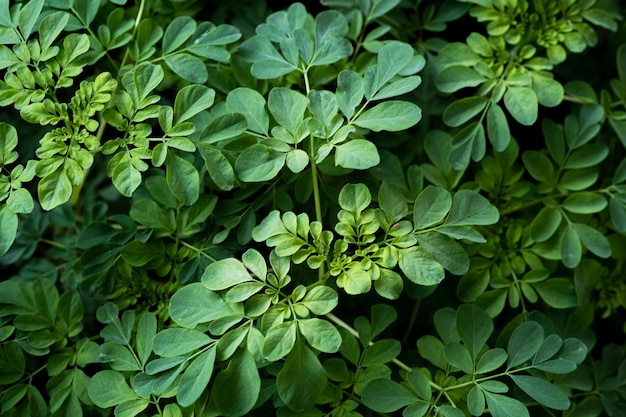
(361, 208)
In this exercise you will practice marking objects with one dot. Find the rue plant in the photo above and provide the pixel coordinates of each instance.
(368, 207)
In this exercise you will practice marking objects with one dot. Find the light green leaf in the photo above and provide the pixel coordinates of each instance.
(191, 100)
(196, 378)
(171, 342)
(288, 107)
(177, 32)
(20, 201)
(183, 179)
(146, 331)
(357, 154)
(542, 391)
(355, 198)
(50, 27)
(549, 91)
(330, 44)
(522, 103)
(302, 380)
(28, 17)
(386, 396)
(470, 208)
(593, 240)
(224, 274)
(585, 202)
(545, 223)
(279, 341)
(392, 116)
(218, 167)
(251, 105)
(320, 334)
(350, 91)
(236, 389)
(297, 160)
(8, 142)
(392, 58)
(398, 87)
(320, 300)
(420, 267)
(188, 67)
(259, 163)
(267, 62)
(54, 189)
(491, 360)
(108, 388)
(450, 254)
(8, 225)
(195, 304)
(431, 207)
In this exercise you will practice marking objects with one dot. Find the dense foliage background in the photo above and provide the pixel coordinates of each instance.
(348, 208)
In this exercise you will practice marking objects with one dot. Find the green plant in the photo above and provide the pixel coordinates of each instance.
(230, 210)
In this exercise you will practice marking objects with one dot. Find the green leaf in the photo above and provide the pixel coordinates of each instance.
(251, 105)
(524, 343)
(392, 116)
(382, 351)
(218, 167)
(12, 363)
(498, 128)
(196, 378)
(542, 391)
(191, 100)
(8, 225)
(20, 201)
(177, 32)
(522, 103)
(549, 92)
(267, 62)
(321, 300)
(557, 293)
(585, 202)
(288, 107)
(357, 154)
(462, 110)
(259, 163)
(320, 334)
(188, 67)
(593, 240)
(459, 357)
(474, 327)
(54, 189)
(236, 389)
(108, 388)
(457, 77)
(118, 357)
(330, 44)
(571, 247)
(470, 208)
(545, 223)
(171, 342)
(279, 341)
(350, 91)
(476, 401)
(183, 179)
(392, 58)
(302, 380)
(450, 254)
(28, 16)
(195, 304)
(8, 142)
(491, 360)
(386, 396)
(431, 207)
(146, 331)
(398, 87)
(503, 406)
(224, 274)
(50, 28)
(420, 267)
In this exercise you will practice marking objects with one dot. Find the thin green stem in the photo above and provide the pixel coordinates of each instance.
(198, 251)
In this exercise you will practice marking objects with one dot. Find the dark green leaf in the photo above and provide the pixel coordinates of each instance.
(457, 77)
(196, 378)
(420, 267)
(251, 105)
(503, 406)
(498, 128)
(525, 341)
(474, 327)
(542, 391)
(386, 396)
(431, 207)
(470, 208)
(183, 179)
(259, 163)
(109, 388)
(462, 110)
(236, 389)
(195, 304)
(522, 103)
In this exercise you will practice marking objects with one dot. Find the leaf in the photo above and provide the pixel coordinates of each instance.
(457, 77)
(194, 303)
(236, 389)
(545, 223)
(350, 91)
(542, 391)
(503, 406)
(108, 388)
(288, 107)
(357, 154)
(146, 331)
(386, 396)
(302, 380)
(476, 401)
(8, 142)
(392, 116)
(522, 103)
(431, 207)
(538, 165)
(218, 167)
(279, 341)
(470, 208)
(585, 202)
(196, 378)
(498, 128)
(571, 247)
(259, 163)
(557, 293)
(183, 179)
(320, 300)
(177, 32)
(524, 343)
(191, 100)
(398, 87)
(330, 44)
(392, 58)
(50, 28)
(224, 274)
(54, 189)
(28, 17)
(320, 334)
(8, 225)
(491, 360)
(251, 104)
(474, 327)
(450, 254)
(20, 201)
(267, 62)
(188, 67)
(459, 357)
(593, 240)
(171, 342)
(462, 110)
(420, 267)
